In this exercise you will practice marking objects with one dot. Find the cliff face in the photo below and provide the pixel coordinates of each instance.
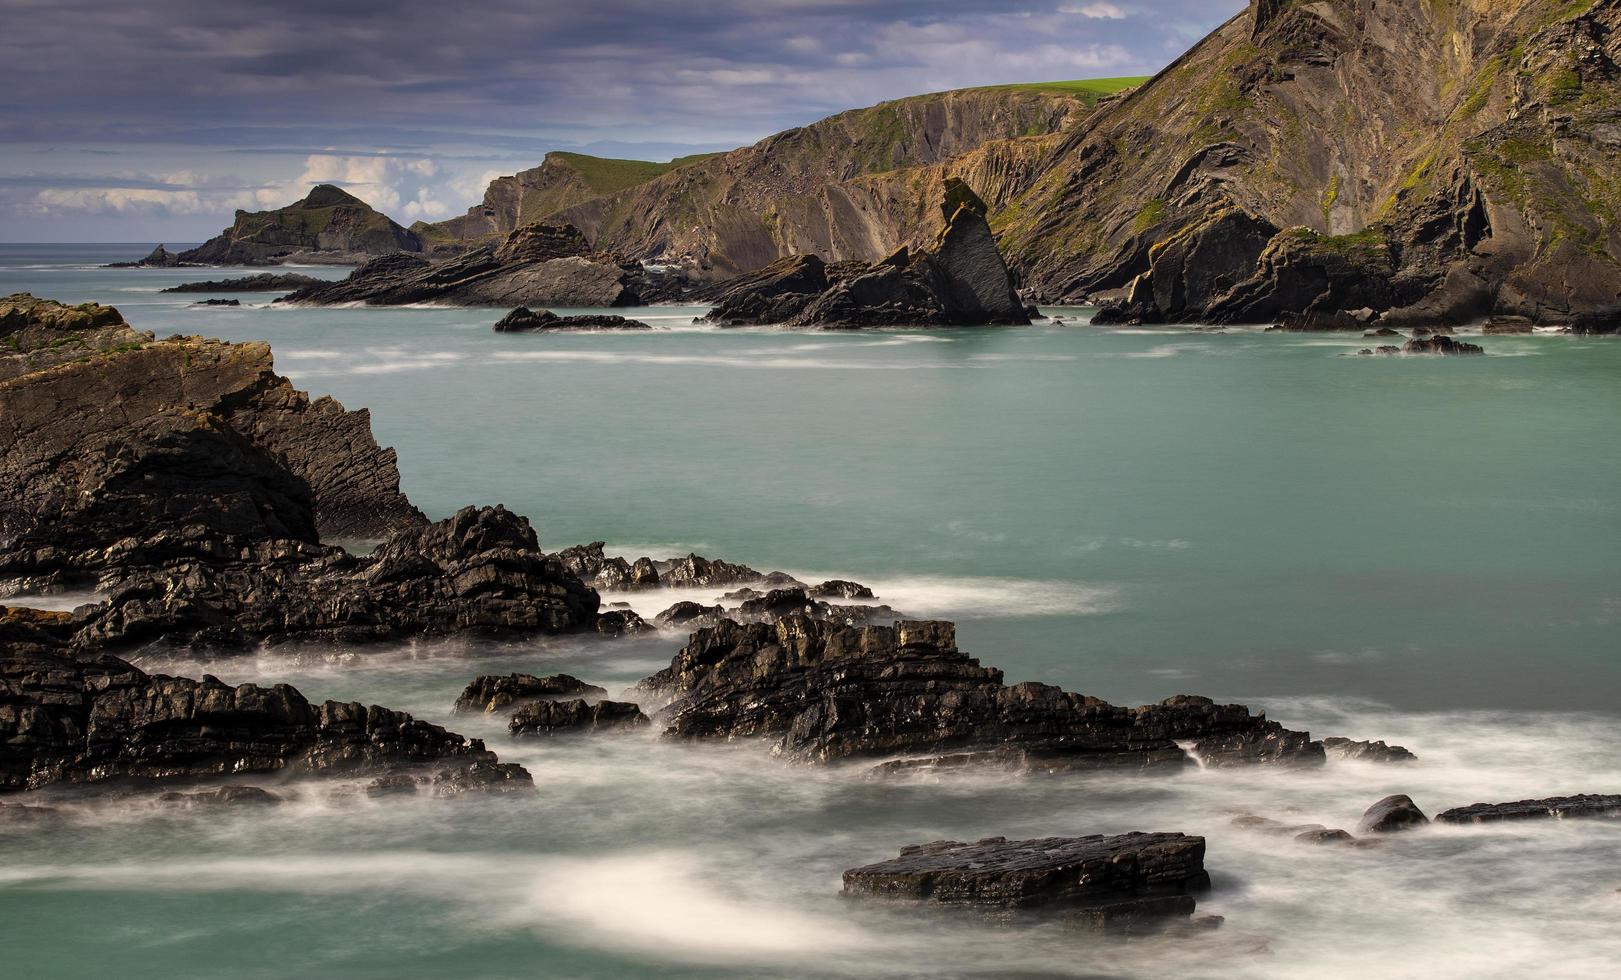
(851, 187)
(534, 196)
(329, 223)
(1444, 161)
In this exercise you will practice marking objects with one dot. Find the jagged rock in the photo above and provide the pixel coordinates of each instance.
(690, 614)
(525, 320)
(158, 258)
(695, 572)
(1385, 350)
(263, 282)
(393, 784)
(329, 224)
(568, 717)
(621, 622)
(218, 302)
(537, 265)
(1344, 748)
(70, 717)
(1117, 884)
(210, 451)
(223, 796)
(490, 693)
(824, 692)
(839, 589)
(1382, 332)
(962, 280)
(1556, 808)
(1392, 814)
(480, 573)
(1440, 345)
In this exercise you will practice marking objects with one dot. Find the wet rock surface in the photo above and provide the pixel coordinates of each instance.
(1553, 808)
(825, 692)
(525, 320)
(1391, 815)
(1344, 748)
(1119, 883)
(540, 718)
(491, 694)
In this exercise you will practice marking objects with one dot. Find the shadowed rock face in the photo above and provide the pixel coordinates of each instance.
(540, 718)
(961, 280)
(329, 223)
(1432, 162)
(90, 718)
(823, 692)
(490, 694)
(1099, 880)
(209, 450)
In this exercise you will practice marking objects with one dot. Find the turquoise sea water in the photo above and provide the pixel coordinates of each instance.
(1425, 550)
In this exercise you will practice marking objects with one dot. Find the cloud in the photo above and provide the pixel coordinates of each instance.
(1096, 11)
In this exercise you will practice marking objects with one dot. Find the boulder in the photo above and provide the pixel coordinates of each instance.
(1393, 814)
(1439, 344)
(490, 694)
(539, 718)
(1121, 884)
(839, 589)
(823, 692)
(1344, 748)
(1554, 808)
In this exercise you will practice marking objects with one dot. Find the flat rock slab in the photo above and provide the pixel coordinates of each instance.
(1128, 874)
(1554, 808)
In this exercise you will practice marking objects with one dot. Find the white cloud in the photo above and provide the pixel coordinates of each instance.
(1097, 11)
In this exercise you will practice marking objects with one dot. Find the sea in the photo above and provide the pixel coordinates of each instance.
(1421, 550)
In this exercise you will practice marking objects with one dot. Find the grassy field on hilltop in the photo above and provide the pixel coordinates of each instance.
(609, 176)
(1095, 88)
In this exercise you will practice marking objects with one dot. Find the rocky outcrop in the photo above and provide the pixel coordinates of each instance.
(263, 282)
(525, 320)
(1393, 814)
(540, 718)
(90, 718)
(1435, 163)
(328, 225)
(158, 258)
(209, 450)
(538, 265)
(1344, 748)
(960, 281)
(823, 692)
(1553, 808)
(480, 573)
(1123, 883)
(691, 571)
(492, 694)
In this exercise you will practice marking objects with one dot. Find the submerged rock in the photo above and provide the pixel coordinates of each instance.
(490, 694)
(824, 692)
(1440, 344)
(1393, 814)
(263, 282)
(1554, 808)
(577, 716)
(1122, 883)
(1344, 748)
(222, 796)
(525, 320)
(218, 302)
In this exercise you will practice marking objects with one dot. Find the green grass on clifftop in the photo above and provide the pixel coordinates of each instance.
(607, 176)
(1086, 88)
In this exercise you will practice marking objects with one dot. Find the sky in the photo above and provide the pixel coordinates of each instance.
(155, 121)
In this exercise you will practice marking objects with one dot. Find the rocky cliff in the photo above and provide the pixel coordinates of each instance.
(535, 196)
(1429, 161)
(110, 440)
(329, 224)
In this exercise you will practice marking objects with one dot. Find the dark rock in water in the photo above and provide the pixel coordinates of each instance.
(68, 717)
(1504, 326)
(621, 622)
(778, 603)
(567, 717)
(689, 614)
(1344, 748)
(218, 302)
(329, 224)
(1324, 836)
(478, 573)
(1308, 833)
(1116, 883)
(525, 320)
(263, 282)
(1556, 808)
(491, 693)
(826, 692)
(1439, 344)
(1392, 814)
(609, 574)
(210, 452)
(223, 796)
(695, 572)
(158, 258)
(1383, 332)
(1383, 351)
(962, 280)
(1330, 320)
(536, 265)
(839, 589)
(741, 595)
